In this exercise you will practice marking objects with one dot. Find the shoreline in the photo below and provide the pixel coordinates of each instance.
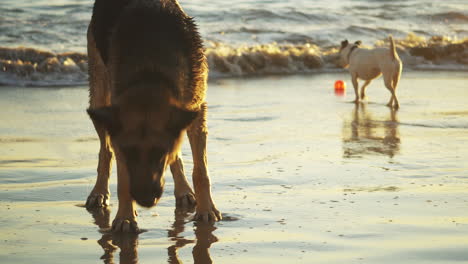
(33, 67)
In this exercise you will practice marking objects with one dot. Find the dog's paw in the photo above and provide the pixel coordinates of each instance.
(121, 225)
(97, 200)
(186, 200)
(212, 215)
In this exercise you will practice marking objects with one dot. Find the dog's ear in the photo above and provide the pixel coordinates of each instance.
(358, 43)
(181, 119)
(107, 117)
(344, 43)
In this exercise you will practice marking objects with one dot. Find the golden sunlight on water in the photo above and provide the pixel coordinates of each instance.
(300, 176)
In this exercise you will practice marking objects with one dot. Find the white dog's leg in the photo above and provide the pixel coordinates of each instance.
(389, 84)
(356, 87)
(390, 103)
(396, 104)
(363, 90)
(396, 78)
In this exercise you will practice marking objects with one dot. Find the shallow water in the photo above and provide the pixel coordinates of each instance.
(300, 175)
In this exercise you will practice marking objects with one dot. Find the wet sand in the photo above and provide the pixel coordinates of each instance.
(301, 176)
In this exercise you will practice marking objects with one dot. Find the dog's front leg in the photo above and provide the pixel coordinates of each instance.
(184, 195)
(98, 97)
(99, 196)
(197, 133)
(356, 87)
(363, 90)
(125, 219)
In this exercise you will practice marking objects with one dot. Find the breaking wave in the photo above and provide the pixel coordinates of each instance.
(33, 67)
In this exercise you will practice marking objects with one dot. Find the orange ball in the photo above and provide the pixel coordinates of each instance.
(340, 85)
(340, 88)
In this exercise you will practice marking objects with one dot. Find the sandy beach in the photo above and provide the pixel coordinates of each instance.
(300, 175)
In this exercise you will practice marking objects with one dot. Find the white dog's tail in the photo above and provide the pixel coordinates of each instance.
(393, 52)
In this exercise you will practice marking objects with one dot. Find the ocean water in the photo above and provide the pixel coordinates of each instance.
(242, 37)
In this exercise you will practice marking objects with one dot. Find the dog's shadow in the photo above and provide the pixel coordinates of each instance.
(128, 243)
(365, 134)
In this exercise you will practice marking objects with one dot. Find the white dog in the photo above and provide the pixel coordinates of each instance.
(368, 64)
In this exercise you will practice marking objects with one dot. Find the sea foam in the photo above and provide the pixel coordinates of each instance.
(34, 67)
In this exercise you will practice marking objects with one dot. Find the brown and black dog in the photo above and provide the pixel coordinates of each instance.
(147, 76)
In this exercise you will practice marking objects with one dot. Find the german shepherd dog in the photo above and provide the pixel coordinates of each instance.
(148, 77)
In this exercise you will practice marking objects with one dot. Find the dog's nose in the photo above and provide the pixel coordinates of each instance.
(147, 196)
(146, 202)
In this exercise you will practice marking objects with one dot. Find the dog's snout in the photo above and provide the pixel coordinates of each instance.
(148, 194)
(146, 201)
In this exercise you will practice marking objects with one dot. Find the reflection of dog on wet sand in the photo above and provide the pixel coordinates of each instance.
(147, 78)
(366, 134)
(128, 242)
(368, 64)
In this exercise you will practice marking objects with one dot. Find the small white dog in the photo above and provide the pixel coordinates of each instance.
(368, 64)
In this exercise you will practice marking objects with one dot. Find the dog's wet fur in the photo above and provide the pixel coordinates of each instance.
(148, 77)
(368, 64)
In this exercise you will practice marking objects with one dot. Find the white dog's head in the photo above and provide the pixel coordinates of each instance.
(345, 51)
